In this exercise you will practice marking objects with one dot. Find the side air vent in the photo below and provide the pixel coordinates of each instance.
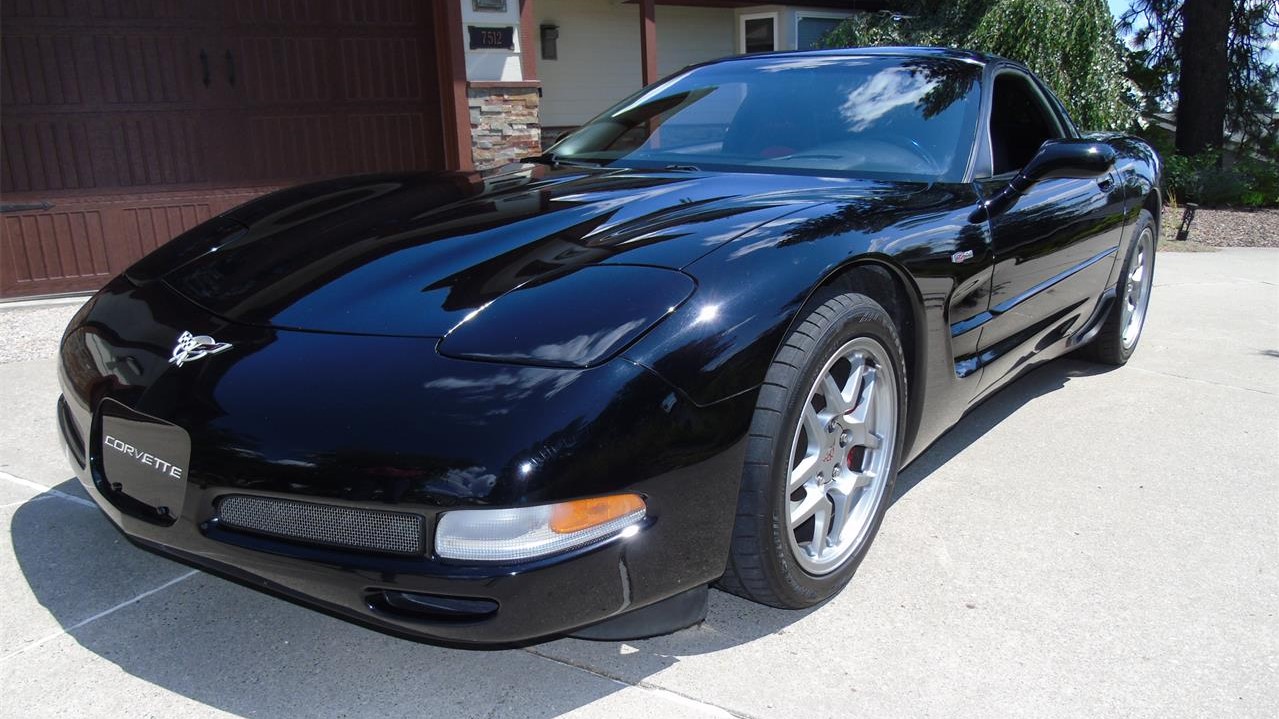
(368, 530)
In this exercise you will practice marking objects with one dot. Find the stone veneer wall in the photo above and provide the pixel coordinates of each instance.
(504, 124)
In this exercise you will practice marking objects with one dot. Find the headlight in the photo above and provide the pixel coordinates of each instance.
(579, 319)
(520, 533)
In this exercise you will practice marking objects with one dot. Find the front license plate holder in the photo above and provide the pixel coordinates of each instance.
(144, 459)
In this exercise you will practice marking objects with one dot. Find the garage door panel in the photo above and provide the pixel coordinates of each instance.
(47, 153)
(383, 69)
(110, 117)
(290, 145)
(379, 12)
(81, 243)
(65, 246)
(283, 69)
(159, 149)
(385, 141)
(149, 227)
(147, 68)
(134, 11)
(293, 12)
(39, 69)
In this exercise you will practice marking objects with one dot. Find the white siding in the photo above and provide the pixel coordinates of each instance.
(599, 51)
(492, 64)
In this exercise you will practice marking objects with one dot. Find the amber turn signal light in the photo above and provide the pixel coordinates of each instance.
(579, 514)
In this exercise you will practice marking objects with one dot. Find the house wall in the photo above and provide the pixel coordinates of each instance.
(502, 104)
(599, 51)
(492, 65)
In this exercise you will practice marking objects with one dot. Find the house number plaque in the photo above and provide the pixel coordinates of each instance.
(491, 38)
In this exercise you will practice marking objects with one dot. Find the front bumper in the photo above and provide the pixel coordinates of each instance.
(551, 597)
(381, 425)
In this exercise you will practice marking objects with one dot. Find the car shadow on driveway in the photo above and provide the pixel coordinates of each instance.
(242, 651)
(248, 653)
(986, 416)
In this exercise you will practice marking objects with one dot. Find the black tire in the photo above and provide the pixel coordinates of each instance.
(761, 566)
(1108, 346)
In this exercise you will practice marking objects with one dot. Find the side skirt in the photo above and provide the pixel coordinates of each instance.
(1090, 328)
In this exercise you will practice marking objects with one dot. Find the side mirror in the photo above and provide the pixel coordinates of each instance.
(1079, 159)
(1056, 159)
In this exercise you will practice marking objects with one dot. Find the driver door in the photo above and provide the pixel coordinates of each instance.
(1054, 247)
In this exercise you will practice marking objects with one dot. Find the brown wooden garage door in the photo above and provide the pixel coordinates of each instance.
(125, 122)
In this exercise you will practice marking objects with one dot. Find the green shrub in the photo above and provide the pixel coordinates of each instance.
(1262, 183)
(1202, 179)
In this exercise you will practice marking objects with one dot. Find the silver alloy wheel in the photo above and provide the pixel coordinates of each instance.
(1137, 288)
(840, 456)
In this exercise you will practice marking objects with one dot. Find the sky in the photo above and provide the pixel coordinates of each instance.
(1117, 8)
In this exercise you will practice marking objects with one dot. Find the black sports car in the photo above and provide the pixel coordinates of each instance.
(691, 344)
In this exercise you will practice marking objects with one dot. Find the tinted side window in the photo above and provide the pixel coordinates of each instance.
(1019, 123)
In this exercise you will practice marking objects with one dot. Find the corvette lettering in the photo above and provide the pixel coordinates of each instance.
(142, 457)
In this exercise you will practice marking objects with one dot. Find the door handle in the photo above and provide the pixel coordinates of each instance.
(204, 66)
(1106, 183)
(230, 68)
(25, 206)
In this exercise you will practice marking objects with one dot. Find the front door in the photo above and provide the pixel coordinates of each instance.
(1054, 247)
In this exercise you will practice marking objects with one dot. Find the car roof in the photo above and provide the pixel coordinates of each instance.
(971, 56)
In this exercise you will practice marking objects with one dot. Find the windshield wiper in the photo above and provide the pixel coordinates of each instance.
(552, 160)
(545, 158)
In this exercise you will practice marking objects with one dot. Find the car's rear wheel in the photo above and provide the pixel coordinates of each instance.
(1122, 327)
(824, 448)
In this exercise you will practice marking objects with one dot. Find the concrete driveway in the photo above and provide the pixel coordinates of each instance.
(1088, 543)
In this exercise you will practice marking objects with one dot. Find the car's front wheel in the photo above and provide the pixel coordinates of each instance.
(824, 448)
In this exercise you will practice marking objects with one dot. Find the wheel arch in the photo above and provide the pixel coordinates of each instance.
(889, 284)
(1153, 204)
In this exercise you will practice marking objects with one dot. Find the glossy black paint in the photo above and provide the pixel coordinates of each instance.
(1074, 159)
(538, 331)
(1066, 159)
(433, 341)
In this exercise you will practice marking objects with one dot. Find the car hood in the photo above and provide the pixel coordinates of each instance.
(414, 254)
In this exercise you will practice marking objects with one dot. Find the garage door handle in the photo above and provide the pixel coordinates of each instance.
(24, 206)
(204, 66)
(230, 68)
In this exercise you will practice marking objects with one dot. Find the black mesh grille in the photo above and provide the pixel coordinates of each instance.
(367, 529)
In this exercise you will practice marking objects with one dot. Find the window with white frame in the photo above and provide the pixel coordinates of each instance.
(811, 27)
(759, 32)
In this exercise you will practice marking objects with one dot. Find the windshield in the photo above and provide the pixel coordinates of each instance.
(898, 118)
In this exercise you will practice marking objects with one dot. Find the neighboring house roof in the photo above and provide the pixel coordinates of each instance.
(1167, 121)
(824, 4)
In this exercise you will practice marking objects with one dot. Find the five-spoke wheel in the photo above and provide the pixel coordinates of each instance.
(822, 454)
(842, 448)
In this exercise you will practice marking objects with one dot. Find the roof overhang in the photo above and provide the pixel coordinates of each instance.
(871, 5)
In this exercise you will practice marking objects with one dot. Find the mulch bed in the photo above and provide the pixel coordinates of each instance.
(1226, 228)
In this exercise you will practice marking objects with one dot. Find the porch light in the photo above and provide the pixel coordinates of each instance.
(550, 46)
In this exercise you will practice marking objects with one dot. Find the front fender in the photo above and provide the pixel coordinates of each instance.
(751, 290)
